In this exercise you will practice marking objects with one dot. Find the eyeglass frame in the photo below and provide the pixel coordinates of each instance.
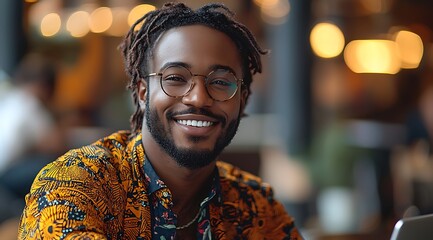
(241, 80)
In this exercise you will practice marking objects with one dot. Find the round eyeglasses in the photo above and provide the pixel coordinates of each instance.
(177, 81)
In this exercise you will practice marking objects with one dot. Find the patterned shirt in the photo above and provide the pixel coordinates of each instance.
(106, 190)
(164, 220)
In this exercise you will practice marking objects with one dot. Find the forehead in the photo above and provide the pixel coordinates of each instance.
(198, 46)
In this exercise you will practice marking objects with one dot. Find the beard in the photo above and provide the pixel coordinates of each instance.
(188, 157)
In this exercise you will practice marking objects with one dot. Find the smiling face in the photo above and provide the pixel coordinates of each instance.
(193, 129)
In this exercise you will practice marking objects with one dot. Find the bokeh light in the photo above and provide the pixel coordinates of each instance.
(50, 24)
(120, 22)
(274, 11)
(410, 47)
(137, 12)
(77, 24)
(327, 40)
(372, 56)
(100, 20)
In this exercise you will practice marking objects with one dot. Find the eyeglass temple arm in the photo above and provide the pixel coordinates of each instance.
(153, 74)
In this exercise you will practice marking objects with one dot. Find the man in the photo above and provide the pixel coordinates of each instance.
(190, 73)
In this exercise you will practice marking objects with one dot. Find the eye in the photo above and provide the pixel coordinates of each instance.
(174, 79)
(220, 82)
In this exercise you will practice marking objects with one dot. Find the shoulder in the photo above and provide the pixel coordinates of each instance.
(244, 185)
(238, 177)
(249, 202)
(94, 162)
(82, 190)
(103, 151)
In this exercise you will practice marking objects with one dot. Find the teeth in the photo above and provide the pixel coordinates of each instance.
(195, 123)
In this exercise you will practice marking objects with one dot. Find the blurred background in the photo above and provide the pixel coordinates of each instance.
(340, 121)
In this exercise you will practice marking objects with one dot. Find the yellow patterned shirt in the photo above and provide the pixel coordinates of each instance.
(100, 191)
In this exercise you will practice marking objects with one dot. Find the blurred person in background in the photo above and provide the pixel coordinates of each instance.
(413, 162)
(190, 73)
(420, 121)
(29, 134)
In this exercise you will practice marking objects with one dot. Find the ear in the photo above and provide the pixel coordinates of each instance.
(142, 93)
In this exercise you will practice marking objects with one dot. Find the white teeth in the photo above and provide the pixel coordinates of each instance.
(195, 123)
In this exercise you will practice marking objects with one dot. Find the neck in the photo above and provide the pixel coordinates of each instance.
(188, 186)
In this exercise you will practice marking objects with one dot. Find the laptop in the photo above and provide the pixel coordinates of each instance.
(414, 228)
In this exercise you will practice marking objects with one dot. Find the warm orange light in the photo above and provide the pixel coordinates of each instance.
(266, 3)
(77, 24)
(410, 47)
(50, 24)
(137, 12)
(372, 56)
(120, 22)
(100, 20)
(273, 11)
(327, 40)
(376, 6)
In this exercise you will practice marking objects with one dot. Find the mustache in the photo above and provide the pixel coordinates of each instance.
(198, 111)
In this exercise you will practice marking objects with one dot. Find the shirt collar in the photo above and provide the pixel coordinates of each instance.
(215, 191)
(137, 152)
(155, 183)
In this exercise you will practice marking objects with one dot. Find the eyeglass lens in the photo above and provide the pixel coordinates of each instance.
(221, 84)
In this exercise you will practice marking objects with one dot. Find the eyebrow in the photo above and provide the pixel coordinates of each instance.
(188, 66)
(174, 64)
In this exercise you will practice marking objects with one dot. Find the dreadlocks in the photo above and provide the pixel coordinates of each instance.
(137, 45)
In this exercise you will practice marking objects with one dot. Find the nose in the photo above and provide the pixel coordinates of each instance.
(198, 95)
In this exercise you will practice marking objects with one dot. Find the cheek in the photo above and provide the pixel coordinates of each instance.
(158, 100)
(232, 108)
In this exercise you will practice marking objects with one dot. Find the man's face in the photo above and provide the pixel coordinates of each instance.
(193, 129)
